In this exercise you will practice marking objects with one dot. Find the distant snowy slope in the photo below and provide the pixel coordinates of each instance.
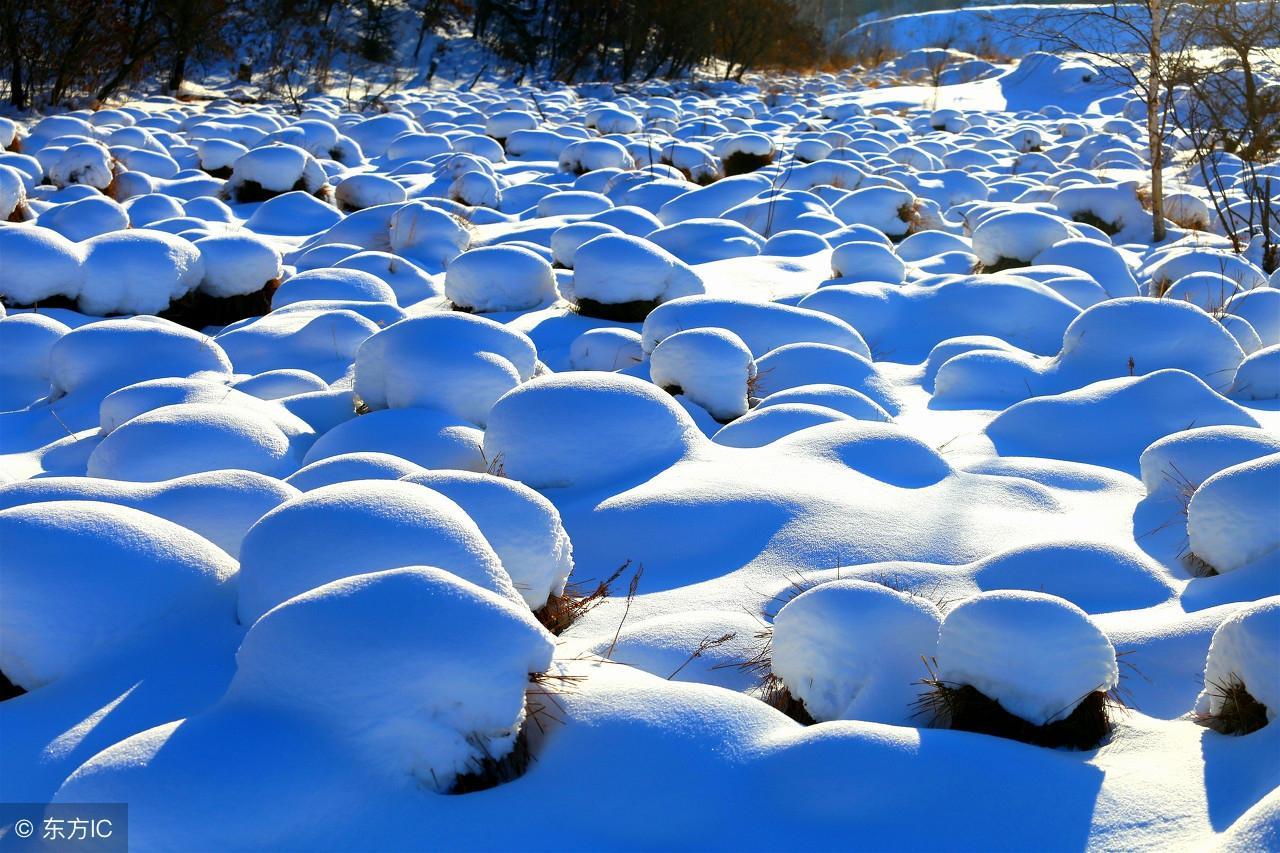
(1009, 31)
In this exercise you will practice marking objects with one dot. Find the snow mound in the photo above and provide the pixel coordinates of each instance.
(190, 438)
(1245, 648)
(584, 429)
(1177, 464)
(1037, 655)
(82, 576)
(237, 264)
(762, 326)
(499, 278)
(1231, 520)
(1136, 335)
(98, 358)
(219, 505)
(851, 650)
(457, 363)
(423, 673)
(36, 264)
(274, 169)
(523, 527)
(711, 367)
(26, 341)
(794, 365)
(617, 269)
(1258, 377)
(138, 271)
(351, 466)
(766, 425)
(606, 349)
(1015, 237)
(363, 526)
(426, 437)
(1113, 421)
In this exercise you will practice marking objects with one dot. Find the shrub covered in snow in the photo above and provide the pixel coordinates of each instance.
(456, 363)
(1242, 673)
(266, 172)
(1024, 665)
(851, 650)
(365, 526)
(499, 278)
(81, 577)
(424, 672)
(581, 429)
(1231, 516)
(620, 277)
(712, 367)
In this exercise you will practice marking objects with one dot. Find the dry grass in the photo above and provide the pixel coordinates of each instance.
(563, 610)
(489, 771)
(963, 707)
(1239, 714)
(769, 688)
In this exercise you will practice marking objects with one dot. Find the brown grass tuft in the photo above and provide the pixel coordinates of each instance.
(563, 610)
(1240, 714)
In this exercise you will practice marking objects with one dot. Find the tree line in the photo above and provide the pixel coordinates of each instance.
(89, 50)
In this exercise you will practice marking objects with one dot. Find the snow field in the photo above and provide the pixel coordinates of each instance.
(314, 423)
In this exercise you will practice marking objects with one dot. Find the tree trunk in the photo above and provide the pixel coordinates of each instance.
(178, 72)
(1155, 140)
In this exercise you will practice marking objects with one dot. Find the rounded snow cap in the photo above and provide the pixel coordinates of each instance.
(499, 278)
(424, 672)
(1231, 520)
(576, 429)
(523, 527)
(80, 576)
(851, 650)
(1245, 651)
(362, 526)
(1037, 655)
(456, 363)
(712, 367)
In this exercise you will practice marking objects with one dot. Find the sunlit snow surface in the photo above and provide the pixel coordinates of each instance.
(228, 614)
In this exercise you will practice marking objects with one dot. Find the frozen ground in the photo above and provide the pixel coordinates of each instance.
(281, 581)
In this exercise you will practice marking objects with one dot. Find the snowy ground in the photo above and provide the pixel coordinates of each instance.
(271, 580)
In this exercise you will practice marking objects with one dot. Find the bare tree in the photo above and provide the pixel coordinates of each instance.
(1145, 45)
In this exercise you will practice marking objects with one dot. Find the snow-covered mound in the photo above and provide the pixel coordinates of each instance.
(81, 576)
(851, 650)
(752, 392)
(1035, 654)
(1244, 651)
(1231, 516)
(352, 528)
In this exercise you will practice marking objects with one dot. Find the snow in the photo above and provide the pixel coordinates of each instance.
(236, 264)
(351, 528)
(435, 360)
(1244, 649)
(499, 278)
(457, 363)
(219, 505)
(711, 367)
(139, 271)
(1035, 654)
(575, 429)
(1231, 516)
(80, 576)
(523, 527)
(851, 650)
(277, 168)
(616, 268)
(1258, 376)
